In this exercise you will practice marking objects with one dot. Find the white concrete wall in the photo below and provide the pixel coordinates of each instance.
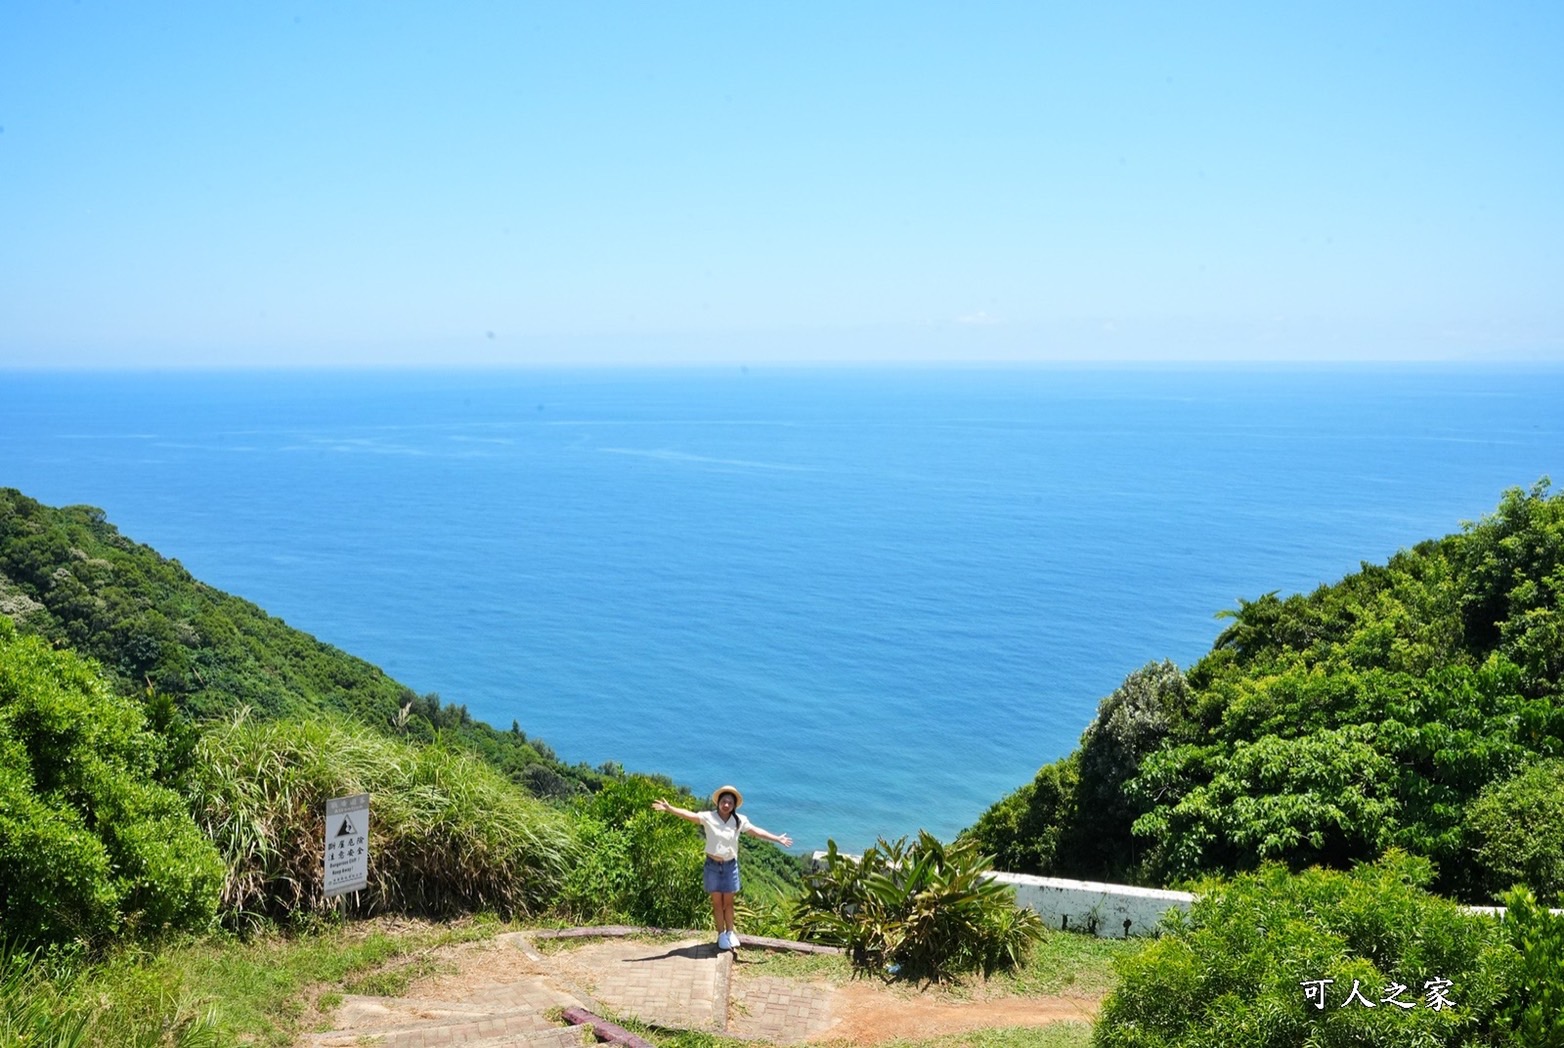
(1110, 911)
(1106, 910)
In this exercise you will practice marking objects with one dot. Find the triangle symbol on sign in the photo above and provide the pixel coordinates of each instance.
(347, 827)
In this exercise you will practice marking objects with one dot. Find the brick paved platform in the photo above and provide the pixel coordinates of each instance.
(680, 984)
(782, 1011)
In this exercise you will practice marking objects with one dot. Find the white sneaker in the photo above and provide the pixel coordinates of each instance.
(723, 942)
(733, 940)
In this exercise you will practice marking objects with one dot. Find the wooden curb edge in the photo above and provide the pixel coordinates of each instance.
(604, 1030)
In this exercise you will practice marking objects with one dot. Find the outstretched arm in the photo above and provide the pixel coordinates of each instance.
(661, 805)
(766, 835)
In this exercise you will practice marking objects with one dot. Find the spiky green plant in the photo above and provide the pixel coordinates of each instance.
(923, 911)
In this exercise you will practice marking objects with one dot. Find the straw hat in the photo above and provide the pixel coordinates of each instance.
(738, 798)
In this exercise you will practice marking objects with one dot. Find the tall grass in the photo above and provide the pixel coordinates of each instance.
(58, 1001)
(448, 834)
(29, 1013)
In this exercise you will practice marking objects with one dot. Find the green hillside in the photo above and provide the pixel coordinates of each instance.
(67, 575)
(1414, 704)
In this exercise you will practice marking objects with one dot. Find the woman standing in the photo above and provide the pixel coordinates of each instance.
(721, 875)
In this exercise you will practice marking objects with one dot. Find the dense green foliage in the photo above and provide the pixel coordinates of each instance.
(922, 911)
(1516, 829)
(69, 576)
(1249, 967)
(448, 834)
(644, 867)
(1410, 705)
(1534, 1007)
(91, 845)
(636, 864)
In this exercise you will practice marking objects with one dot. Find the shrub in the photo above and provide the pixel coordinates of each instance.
(637, 865)
(923, 911)
(91, 847)
(1516, 828)
(1534, 1010)
(448, 834)
(1241, 968)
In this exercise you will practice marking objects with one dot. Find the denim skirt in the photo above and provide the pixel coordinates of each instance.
(721, 876)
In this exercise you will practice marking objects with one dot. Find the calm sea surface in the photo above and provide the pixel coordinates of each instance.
(874, 599)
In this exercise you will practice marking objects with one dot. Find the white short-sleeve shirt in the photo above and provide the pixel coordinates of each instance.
(722, 839)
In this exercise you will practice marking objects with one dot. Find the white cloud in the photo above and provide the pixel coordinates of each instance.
(981, 318)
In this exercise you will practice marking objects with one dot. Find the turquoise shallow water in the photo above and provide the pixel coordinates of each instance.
(875, 599)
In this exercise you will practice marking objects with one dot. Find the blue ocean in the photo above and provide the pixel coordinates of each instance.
(876, 600)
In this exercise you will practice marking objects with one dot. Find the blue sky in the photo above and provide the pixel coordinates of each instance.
(354, 183)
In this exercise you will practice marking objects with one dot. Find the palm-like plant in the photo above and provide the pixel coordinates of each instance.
(925, 910)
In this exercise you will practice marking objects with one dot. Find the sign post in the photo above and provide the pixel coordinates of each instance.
(347, 844)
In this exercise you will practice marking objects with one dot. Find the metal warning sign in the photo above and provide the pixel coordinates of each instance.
(347, 844)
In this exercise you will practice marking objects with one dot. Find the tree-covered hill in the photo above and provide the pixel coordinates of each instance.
(69, 576)
(1415, 704)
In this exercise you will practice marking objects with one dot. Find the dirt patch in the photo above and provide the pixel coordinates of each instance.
(465, 968)
(869, 1013)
